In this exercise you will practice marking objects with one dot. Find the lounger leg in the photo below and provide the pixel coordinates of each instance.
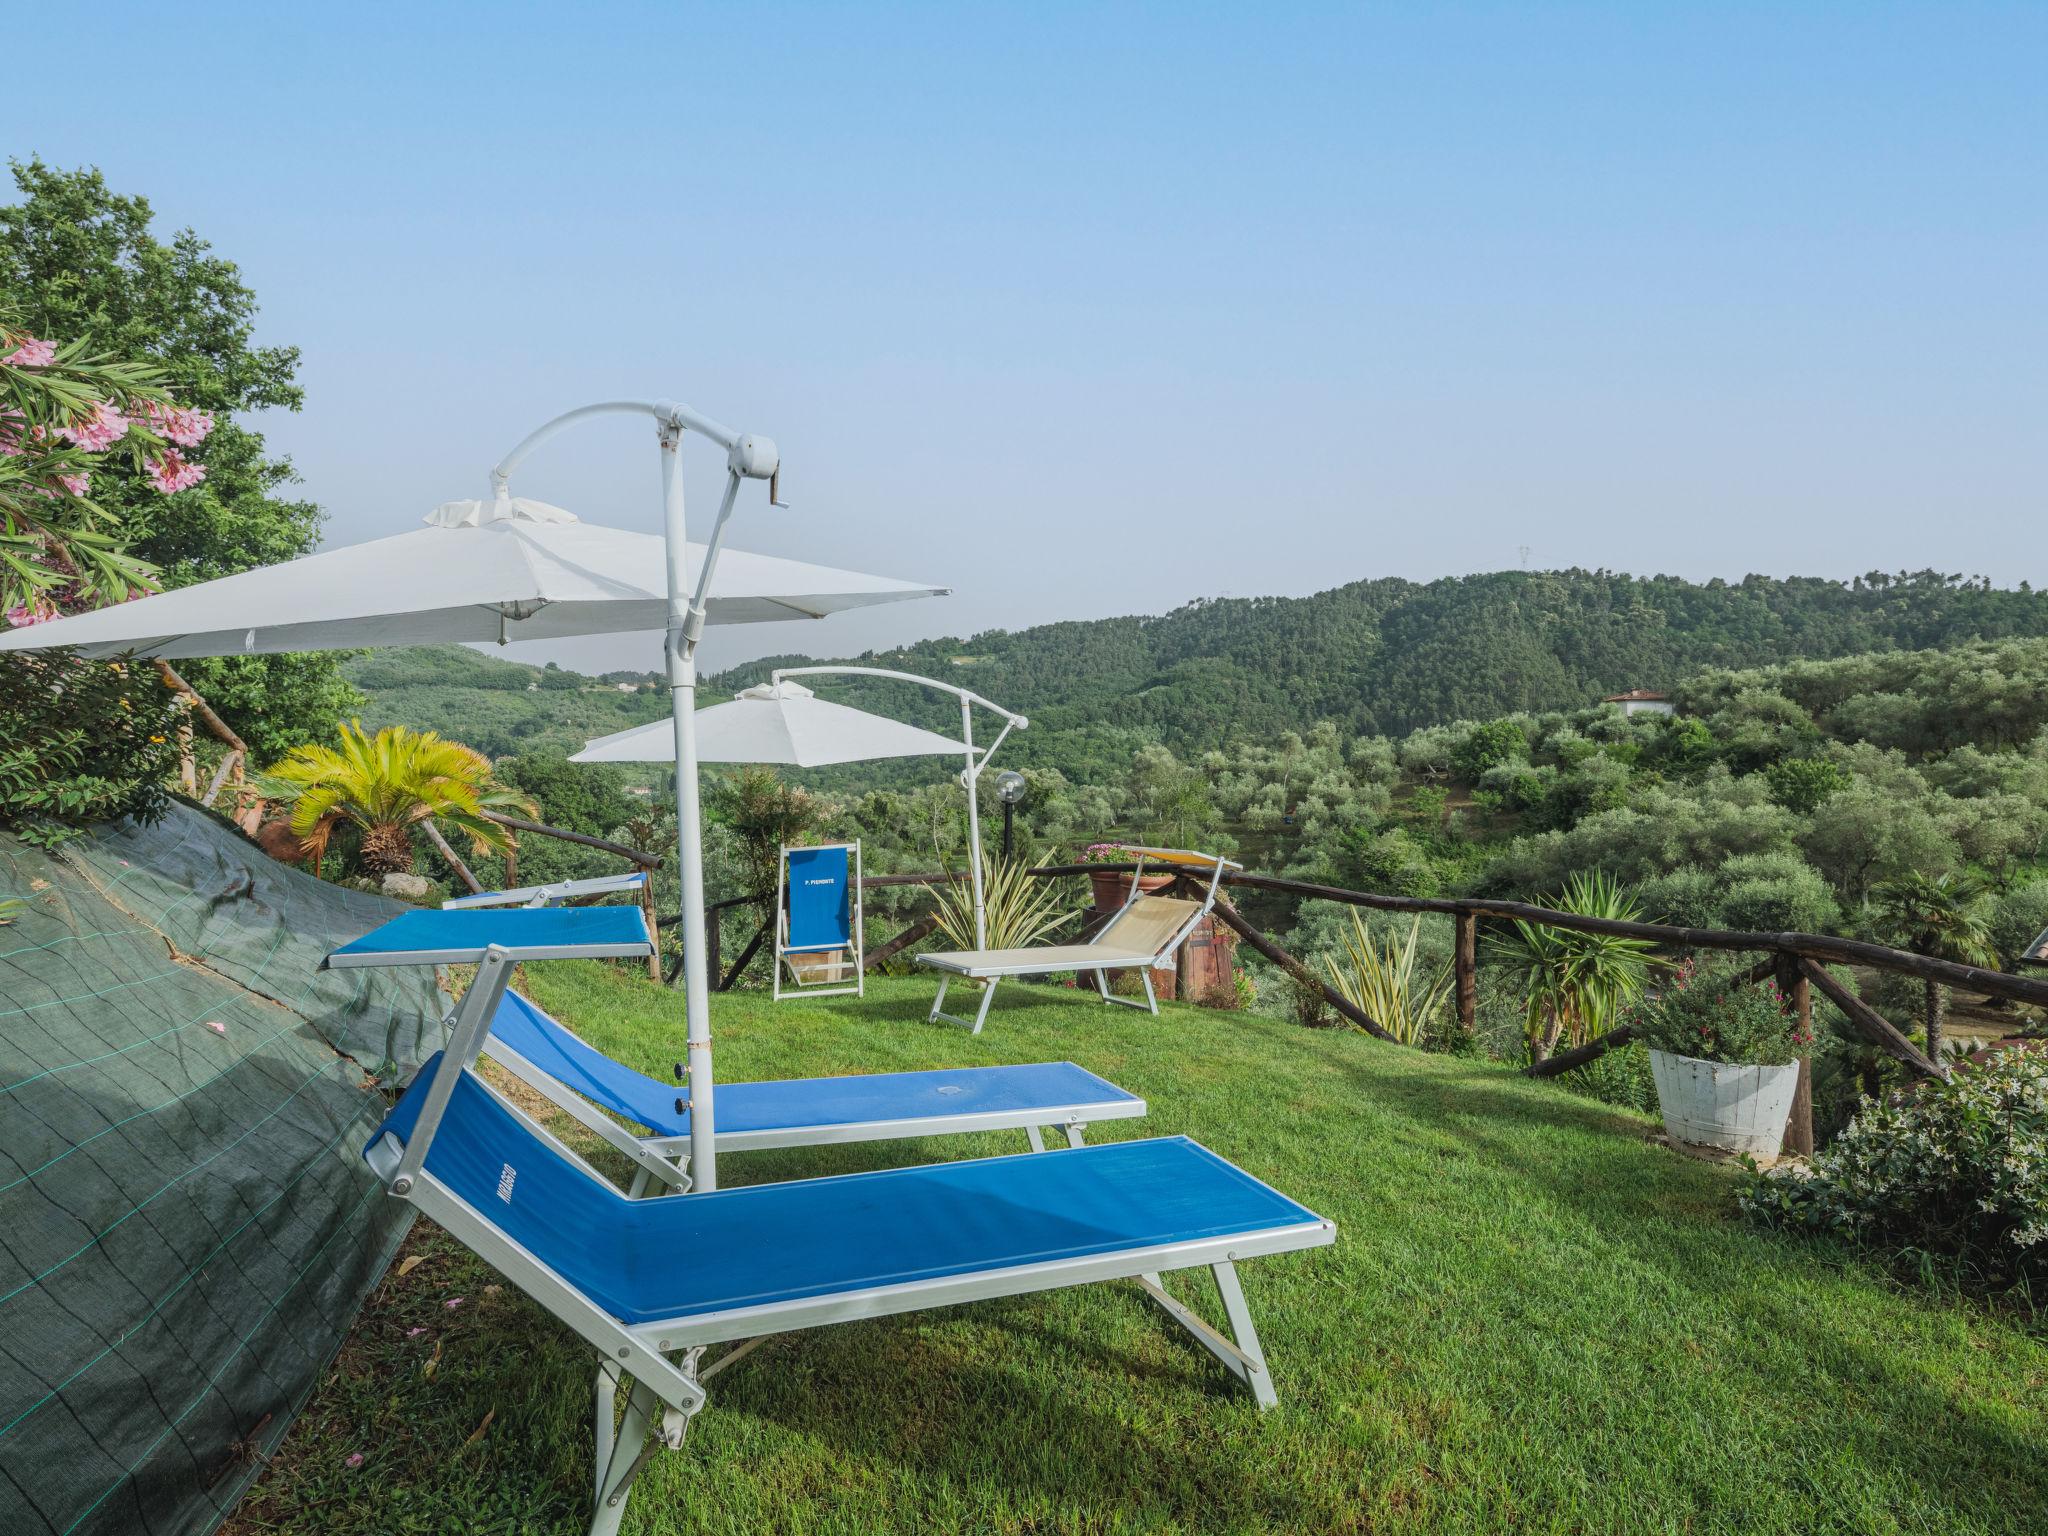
(938, 1002)
(615, 1482)
(1151, 998)
(1102, 986)
(1037, 1141)
(1243, 1359)
(607, 1395)
(988, 996)
(639, 1185)
(1257, 1376)
(1074, 1138)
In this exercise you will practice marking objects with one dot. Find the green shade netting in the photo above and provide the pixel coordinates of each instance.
(186, 1227)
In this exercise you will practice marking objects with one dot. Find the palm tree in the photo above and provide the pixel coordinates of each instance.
(1942, 916)
(393, 785)
(1576, 983)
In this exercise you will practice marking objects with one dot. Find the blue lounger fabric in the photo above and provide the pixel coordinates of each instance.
(470, 931)
(819, 894)
(647, 1260)
(797, 1102)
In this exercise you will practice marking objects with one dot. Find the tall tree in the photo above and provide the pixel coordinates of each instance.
(78, 260)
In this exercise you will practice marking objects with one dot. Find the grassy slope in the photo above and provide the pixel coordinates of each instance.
(1532, 1320)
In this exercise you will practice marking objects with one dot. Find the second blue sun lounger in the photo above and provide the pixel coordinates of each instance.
(810, 1111)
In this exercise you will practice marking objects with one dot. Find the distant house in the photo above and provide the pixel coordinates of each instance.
(1641, 701)
(627, 687)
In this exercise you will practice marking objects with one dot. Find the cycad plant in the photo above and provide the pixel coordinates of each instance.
(1576, 983)
(394, 785)
(1383, 981)
(1020, 910)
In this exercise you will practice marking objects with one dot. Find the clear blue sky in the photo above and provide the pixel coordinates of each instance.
(1091, 311)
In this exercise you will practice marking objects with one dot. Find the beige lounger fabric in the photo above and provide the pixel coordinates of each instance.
(1053, 957)
(1135, 937)
(1147, 923)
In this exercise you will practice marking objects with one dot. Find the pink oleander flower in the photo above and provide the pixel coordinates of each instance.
(22, 615)
(31, 353)
(105, 427)
(355, 1458)
(184, 426)
(171, 474)
(79, 484)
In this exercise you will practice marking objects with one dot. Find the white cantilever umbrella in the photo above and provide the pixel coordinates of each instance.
(777, 723)
(513, 569)
(481, 571)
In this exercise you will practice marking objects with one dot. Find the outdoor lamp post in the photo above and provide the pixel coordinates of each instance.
(1011, 787)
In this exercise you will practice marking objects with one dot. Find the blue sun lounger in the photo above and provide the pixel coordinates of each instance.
(651, 1283)
(583, 1082)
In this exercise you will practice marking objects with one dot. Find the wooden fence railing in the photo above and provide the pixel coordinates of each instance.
(1797, 961)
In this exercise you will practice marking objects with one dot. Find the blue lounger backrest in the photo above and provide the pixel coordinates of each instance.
(820, 898)
(522, 1027)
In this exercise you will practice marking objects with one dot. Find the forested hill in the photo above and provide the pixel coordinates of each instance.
(1388, 656)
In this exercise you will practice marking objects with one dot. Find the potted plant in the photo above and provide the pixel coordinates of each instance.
(1725, 1058)
(1109, 887)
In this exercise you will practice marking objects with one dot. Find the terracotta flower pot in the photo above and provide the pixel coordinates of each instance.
(1110, 887)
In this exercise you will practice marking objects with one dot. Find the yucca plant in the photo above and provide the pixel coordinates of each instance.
(1577, 984)
(1021, 911)
(393, 785)
(1383, 981)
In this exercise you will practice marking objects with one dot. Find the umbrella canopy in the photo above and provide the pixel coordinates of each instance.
(776, 723)
(481, 571)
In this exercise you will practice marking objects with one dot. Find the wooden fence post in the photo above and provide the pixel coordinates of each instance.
(1184, 957)
(1799, 992)
(1468, 973)
(653, 928)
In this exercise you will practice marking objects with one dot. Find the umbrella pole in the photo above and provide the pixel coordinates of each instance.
(682, 683)
(972, 779)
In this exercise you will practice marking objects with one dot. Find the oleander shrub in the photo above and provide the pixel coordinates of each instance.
(1718, 1016)
(1959, 1168)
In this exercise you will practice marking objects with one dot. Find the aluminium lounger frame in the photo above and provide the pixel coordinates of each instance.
(675, 1387)
(547, 895)
(961, 964)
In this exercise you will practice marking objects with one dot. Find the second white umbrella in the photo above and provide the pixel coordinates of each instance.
(777, 723)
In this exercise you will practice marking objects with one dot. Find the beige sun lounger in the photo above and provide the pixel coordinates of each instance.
(1144, 933)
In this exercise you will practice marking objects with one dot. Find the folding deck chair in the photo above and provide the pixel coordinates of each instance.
(584, 1082)
(818, 915)
(652, 1283)
(1143, 933)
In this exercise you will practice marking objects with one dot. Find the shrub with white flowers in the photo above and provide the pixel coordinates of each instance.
(1959, 1168)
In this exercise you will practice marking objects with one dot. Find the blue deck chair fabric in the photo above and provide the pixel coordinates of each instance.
(795, 1103)
(648, 1260)
(432, 934)
(820, 899)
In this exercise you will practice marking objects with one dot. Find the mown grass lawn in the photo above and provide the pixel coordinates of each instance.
(1533, 1320)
